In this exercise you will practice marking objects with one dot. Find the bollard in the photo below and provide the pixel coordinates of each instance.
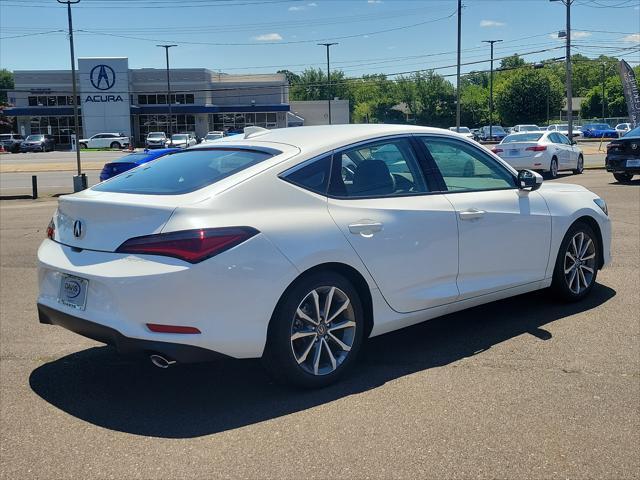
(34, 187)
(79, 182)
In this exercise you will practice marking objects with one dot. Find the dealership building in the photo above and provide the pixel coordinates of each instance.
(115, 98)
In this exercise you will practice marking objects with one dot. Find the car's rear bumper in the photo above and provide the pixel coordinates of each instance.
(618, 164)
(125, 345)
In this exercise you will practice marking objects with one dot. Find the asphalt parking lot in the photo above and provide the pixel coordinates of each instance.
(522, 388)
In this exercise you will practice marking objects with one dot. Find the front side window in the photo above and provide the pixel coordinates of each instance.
(464, 167)
(381, 169)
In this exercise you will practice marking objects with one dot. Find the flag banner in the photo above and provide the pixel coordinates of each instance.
(631, 93)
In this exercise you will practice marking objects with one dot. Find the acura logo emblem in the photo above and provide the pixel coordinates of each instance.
(102, 77)
(77, 229)
(634, 146)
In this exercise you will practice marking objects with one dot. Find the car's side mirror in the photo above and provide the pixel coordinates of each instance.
(528, 179)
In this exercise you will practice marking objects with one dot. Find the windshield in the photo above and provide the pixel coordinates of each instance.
(522, 137)
(496, 129)
(35, 138)
(213, 136)
(178, 137)
(184, 172)
(598, 126)
(529, 128)
(155, 135)
(633, 133)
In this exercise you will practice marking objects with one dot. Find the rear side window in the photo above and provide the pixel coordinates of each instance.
(184, 172)
(313, 176)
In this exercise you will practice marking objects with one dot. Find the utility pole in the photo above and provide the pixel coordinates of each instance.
(491, 42)
(569, 87)
(327, 45)
(603, 94)
(458, 67)
(78, 184)
(170, 118)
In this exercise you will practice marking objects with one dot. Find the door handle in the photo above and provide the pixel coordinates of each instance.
(365, 227)
(471, 214)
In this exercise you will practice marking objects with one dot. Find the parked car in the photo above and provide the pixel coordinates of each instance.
(38, 143)
(252, 248)
(213, 136)
(464, 131)
(547, 152)
(623, 128)
(11, 142)
(476, 133)
(181, 140)
(525, 128)
(105, 140)
(599, 130)
(496, 132)
(564, 130)
(156, 140)
(623, 156)
(132, 160)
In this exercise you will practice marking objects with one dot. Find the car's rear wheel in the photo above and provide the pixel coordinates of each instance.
(553, 168)
(316, 331)
(576, 266)
(580, 166)
(623, 177)
(115, 145)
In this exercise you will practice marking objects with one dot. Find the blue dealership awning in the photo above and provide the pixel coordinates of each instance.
(37, 111)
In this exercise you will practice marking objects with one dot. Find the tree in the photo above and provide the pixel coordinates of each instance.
(291, 77)
(6, 83)
(435, 98)
(373, 97)
(512, 62)
(522, 97)
(311, 84)
(474, 102)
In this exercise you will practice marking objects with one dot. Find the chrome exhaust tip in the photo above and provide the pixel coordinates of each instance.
(160, 361)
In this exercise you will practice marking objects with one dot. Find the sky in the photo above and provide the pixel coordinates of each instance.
(263, 36)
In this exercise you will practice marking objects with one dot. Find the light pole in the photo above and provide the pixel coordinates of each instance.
(491, 42)
(458, 66)
(603, 94)
(327, 45)
(567, 4)
(169, 119)
(79, 183)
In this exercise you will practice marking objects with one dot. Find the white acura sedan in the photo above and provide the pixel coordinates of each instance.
(296, 245)
(547, 152)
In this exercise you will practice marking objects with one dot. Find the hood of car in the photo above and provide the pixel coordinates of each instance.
(561, 187)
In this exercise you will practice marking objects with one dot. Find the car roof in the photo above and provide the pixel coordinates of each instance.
(325, 137)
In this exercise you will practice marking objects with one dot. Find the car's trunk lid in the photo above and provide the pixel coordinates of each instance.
(517, 149)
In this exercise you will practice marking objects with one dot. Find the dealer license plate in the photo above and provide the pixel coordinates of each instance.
(633, 163)
(73, 292)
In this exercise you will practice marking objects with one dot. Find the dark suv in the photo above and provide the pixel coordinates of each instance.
(38, 142)
(623, 156)
(11, 142)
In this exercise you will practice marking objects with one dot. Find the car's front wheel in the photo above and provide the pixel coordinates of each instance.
(576, 266)
(115, 145)
(623, 177)
(316, 331)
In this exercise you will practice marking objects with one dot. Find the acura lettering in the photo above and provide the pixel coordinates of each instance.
(103, 98)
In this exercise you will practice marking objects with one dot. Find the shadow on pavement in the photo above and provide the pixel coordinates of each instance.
(99, 386)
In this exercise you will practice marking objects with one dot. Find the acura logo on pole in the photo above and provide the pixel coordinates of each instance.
(102, 77)
(77, 229)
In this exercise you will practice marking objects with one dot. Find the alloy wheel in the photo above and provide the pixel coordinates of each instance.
(554, 168)
(323, 330)
(580, 262)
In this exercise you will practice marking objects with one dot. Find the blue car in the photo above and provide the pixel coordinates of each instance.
(132, 161)
(599, 130)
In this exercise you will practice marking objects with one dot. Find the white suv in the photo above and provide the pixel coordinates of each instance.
(105, 140)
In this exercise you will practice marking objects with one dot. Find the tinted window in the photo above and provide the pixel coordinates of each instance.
(523, 137)
(314, 176)
(464, 167)
(183, 172)
(380, 169)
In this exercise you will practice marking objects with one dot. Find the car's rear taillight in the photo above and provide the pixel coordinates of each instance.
(537, 148)
(192, 246)
(51, 230)
(497, 150)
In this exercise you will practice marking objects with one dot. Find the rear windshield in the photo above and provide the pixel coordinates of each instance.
(132, 158)
(522, 137)
(184, 172)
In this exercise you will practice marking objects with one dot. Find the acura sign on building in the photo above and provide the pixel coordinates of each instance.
(104, 98)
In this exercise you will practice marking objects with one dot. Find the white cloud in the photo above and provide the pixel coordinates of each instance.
(491, 23)
(312, 4)
(578, 34)
(633, 38)
(374, 1)
(296, 9)
(299, 8)
(268, 37)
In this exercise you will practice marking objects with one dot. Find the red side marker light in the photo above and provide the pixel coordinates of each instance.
(157, 328)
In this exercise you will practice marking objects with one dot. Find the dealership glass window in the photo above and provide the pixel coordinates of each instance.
(237, 121)
(159, 123)
(50, 101)
(142, 99)
(161, 99)
(33, 101)
(61, 127)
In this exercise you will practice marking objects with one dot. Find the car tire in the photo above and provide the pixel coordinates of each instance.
(83, 146)
(623, 177)
(580, 167)
(573, 279)
(313, 355)
(115, 145)
(553, 169)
